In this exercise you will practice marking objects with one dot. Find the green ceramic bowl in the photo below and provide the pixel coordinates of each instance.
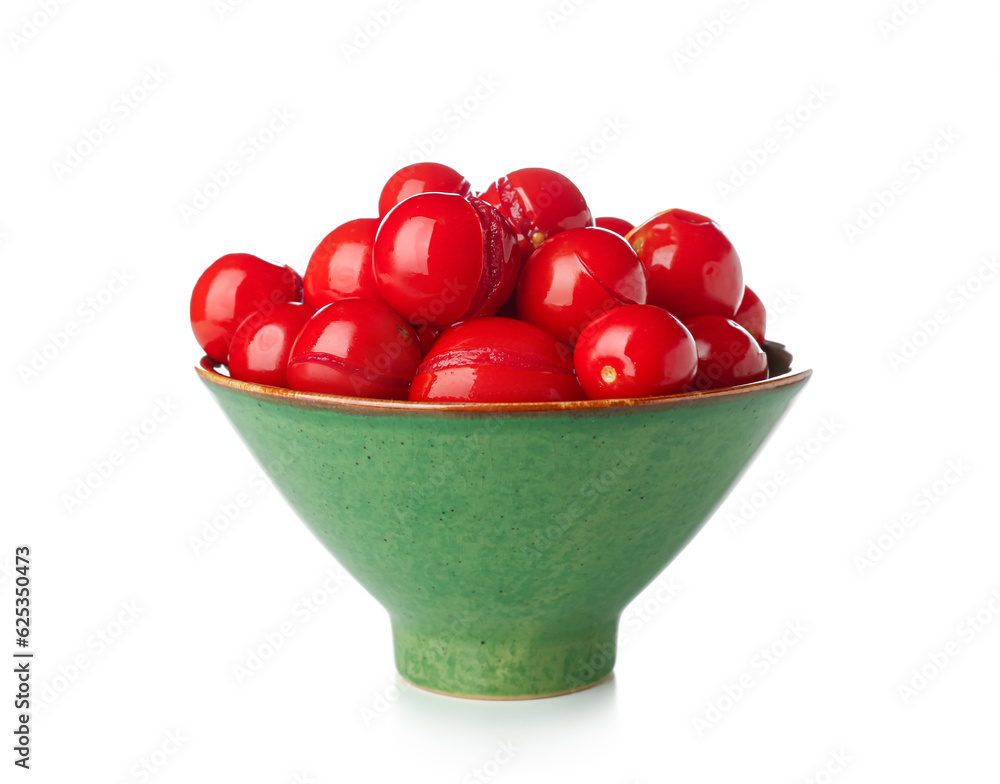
(506, 539)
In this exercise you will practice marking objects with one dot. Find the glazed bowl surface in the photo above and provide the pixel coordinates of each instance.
(505, 540)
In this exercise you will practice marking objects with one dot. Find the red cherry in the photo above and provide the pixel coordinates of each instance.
(355, 347)
(232, 288)
(727, 354)
(341, 265)
(262, 344)
(635, 351)
(617, 225)
(496, 360)
(691, 268)
(751, 315)
(420, 178)
(440, 258)
(539, 203)
(576, 276)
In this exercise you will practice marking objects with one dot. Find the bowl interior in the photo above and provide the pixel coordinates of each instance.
(779, 362)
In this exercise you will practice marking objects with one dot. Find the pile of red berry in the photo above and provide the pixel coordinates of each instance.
(513, 295)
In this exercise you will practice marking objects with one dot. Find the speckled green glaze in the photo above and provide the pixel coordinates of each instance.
(504, 541)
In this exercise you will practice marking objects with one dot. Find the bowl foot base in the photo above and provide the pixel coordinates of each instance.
(493, 665)
(522, 697)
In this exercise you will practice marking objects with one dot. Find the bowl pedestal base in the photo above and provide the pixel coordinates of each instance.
(504, 664)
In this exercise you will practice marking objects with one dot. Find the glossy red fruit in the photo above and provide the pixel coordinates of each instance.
(751, 315)
(420, 178)
(341, 265)
(440, 258)
(576, 276)
(727, 354)
(233, 287)
(617, 225)
(496, 360)
(635, 351)
(355, 347)
(691, 267)
(539, 203)
(262, 344)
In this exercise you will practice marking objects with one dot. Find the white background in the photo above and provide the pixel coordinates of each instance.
(326, 708)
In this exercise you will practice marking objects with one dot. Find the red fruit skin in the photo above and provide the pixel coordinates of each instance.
(728, 355)
(752, 315)
(635, 351)
(341, 265)
(355, 347)
(496, 360)
(440, 258)
(691, 267)
(427, 177)
(617, 225)
(539, 203)
(576, 276)
(233, 287)
(262, 344)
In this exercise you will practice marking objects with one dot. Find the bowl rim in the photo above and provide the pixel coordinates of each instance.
(776, 354)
